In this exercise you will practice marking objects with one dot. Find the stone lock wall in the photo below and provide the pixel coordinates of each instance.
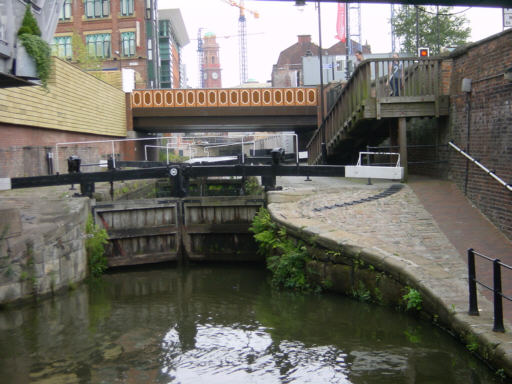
(489, 108)
(42, 248)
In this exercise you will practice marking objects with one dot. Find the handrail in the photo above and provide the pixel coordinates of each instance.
(371, 80)
(475, 161)
(496, 289)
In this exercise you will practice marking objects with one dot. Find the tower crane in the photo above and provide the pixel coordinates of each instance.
(242, 36)
(200, 55)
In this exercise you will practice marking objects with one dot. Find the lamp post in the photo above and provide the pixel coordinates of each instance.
(322, 125)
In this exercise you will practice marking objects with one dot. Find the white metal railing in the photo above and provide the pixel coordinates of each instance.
(485, 169)
(175, 143)
(113, 141)
(378, 153)
(167, 147)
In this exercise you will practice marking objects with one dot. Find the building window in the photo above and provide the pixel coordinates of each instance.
(65, 10)
(98, 45)
(128, 43)
(126, 7)
(97, 8)
(61, 46)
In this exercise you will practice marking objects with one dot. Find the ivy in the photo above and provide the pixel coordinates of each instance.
(39, 50)
(96, 239)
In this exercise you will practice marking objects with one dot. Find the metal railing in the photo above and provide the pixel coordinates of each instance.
(496, 288)
(480, 165)
(372, 79)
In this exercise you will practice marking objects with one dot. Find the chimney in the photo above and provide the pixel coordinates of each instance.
(304, 39)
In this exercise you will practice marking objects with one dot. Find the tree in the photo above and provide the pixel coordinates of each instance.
(81, 56)
(437, 27)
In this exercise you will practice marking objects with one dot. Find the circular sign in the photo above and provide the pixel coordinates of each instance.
(173, 171)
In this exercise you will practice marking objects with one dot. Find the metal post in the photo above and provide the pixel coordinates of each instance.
(498, 300)
(113, 153)
(322, 126)
(368, 162)
(473, 304)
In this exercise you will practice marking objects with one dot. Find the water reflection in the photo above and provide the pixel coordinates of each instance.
(221, 324)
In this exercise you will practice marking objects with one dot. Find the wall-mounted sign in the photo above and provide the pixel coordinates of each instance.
(507, 17)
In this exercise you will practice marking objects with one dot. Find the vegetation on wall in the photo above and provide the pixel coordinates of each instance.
(286, 257)
(30, 36)
(95, 241)
(81, 57)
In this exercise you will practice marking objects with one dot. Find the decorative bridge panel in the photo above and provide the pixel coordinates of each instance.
(236, 97)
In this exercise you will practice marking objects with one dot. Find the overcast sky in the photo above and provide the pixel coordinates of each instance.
(277, 28)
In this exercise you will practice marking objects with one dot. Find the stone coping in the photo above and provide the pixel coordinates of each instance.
(443, 286)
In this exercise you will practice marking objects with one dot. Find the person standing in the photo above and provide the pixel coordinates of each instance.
(359, 58)
(396, 75)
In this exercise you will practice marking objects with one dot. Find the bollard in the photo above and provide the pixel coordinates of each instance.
(498, 300)
(473, 305)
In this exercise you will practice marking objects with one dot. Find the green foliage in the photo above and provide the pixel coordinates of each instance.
(362, 293)
(96, 239)
(286, 257)
(264, 230)
(173, 157)
(412, 299)
(413, 335)
(81, 56)
(252, 187)
(29, 23)
(472, 343)
(39, 50)
(444, 29)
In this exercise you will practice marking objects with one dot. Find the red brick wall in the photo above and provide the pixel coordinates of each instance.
(114, 23)
(23, 150)
(490, 125)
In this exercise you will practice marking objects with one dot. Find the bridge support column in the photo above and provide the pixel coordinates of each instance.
(402, 142)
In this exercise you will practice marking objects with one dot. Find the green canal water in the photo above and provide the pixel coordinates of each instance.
(221, 324)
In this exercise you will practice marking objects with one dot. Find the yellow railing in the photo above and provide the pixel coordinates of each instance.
(236, 97)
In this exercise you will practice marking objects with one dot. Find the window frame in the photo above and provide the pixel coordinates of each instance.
(99, 43)
(97, 9)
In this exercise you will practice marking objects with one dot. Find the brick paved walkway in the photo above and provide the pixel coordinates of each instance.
(428, 217)
(466, 227)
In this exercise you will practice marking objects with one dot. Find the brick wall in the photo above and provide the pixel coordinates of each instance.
(76, 107)
(490, 125)
(23, 150)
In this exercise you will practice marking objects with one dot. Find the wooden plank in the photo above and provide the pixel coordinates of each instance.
(142, 232)
(149, 258)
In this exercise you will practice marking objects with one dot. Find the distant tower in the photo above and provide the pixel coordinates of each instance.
(211, 62)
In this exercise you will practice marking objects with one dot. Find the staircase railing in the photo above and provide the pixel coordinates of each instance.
(491, 173)
(372, 81)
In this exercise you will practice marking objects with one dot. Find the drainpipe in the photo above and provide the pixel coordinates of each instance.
(466, 88)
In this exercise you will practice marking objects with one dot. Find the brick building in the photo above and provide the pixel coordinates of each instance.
(123, 35)
(288, 72)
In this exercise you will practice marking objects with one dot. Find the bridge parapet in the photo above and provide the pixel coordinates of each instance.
(225, 97)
